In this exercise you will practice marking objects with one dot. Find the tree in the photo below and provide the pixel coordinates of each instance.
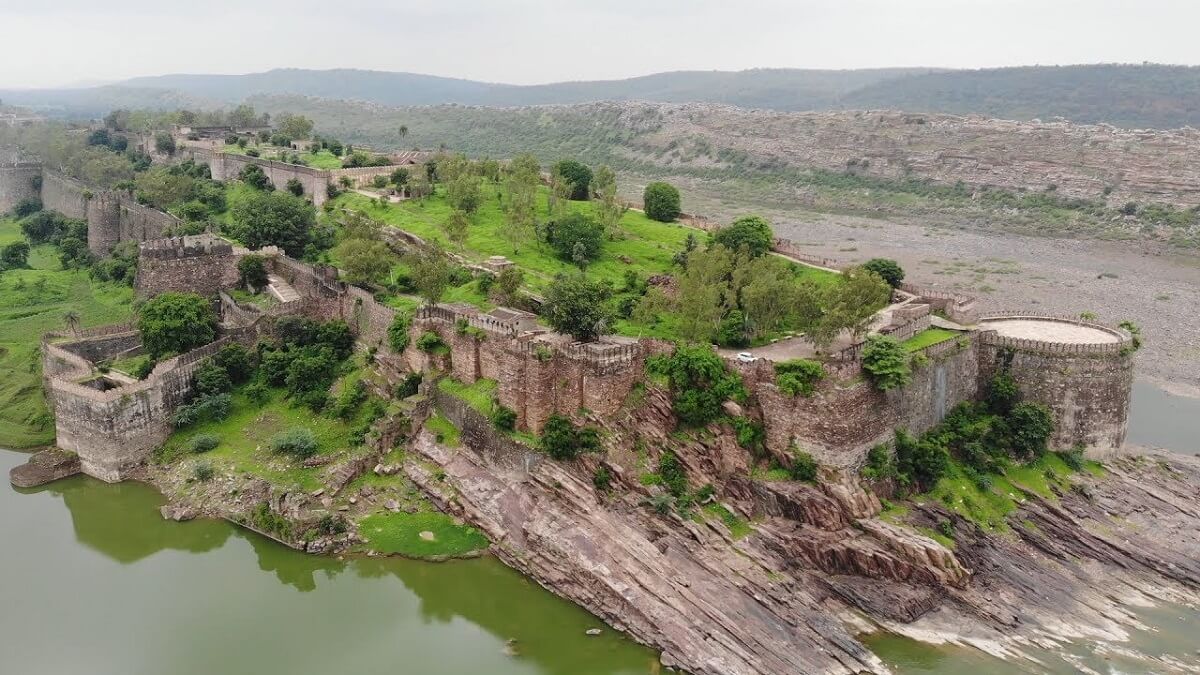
(164, 143)
(403, 130)
(733, 331)
(295, 187)
(253, 175)
(399, 177)
(578, 175)
(700, 384)
(1030, 425)
(176, 322)
(162, 188)
(609, 208)
(243, 116)
(885, 361)
(849, 305)
(297, 127)
(252, 272)
(274, 219)
(457, 227)
(364, 261)
(14, 255)
(576, 238)
(463, 192)
(889, 270)
(562, 440)
(661, 202)
(577, 306)
(520, 204)
(704, 293)
(921, 463)
(431, 270)
(752, 232)
(507, 284)
(71, 319)
(798, 377)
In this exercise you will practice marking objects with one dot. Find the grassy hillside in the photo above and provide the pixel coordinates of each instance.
(32, 302)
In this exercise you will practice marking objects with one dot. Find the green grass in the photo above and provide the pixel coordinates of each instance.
(480, 395)
(991, 507)
(129, 364)
(323, 159)
(33, 302)
(928, 338)
(246, 433)
(401, 533)
(444, 429)
(739, 528)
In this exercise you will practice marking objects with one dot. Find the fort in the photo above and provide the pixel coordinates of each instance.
(1081, 370)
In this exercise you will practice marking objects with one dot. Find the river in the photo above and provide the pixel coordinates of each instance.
(99, 583)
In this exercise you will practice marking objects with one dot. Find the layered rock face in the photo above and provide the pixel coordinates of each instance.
(1078, 160)
(786, 591)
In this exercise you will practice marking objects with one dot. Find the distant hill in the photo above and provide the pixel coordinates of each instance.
(1124, 95)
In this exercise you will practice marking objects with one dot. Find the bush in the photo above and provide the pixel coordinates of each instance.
(803, 467)
(203, 472)
(562, 440)
(733, 331)
(297, 443)
(252, 271)
(661, 202)
(887, 269)
(674, 478)
(504, 418)
(211, 379)
(1031, 425)
(202, 443)
(257, 392)
(699, 383)
(26, 207)
(798, 377)
(236, 361)
(1002, 393)
(409, 386)
(176, 322)
(578, 174)
(920, 463)
(750, 232)
(208, 408)
(576, 239)
(430, 341)
(879, 464)
(143, 369)
(886, 362)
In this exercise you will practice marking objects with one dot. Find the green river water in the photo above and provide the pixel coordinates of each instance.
(98, 583)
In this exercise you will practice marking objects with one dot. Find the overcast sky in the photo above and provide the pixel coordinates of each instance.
(533, 41)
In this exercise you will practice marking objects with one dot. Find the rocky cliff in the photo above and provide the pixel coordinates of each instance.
(779, 576)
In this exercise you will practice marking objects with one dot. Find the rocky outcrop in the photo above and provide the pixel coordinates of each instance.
(44, 467)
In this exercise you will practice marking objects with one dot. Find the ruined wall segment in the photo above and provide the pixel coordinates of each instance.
(202, 263)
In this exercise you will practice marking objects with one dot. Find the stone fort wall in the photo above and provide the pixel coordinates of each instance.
(18, 182)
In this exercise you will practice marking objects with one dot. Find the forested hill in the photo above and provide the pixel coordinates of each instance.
(1123, 95)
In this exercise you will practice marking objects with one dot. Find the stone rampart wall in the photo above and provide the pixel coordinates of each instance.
(65, 195)
(201, 264)
(141, 223)
(478, 434)
(18, 182)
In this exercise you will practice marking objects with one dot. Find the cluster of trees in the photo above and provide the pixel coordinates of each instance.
(278, 219)
(699, 383)
(984, 436)
(69, 235)
(185, 189)
(361, 251)
(306, 358)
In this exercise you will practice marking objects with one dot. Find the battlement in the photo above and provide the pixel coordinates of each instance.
(185, 247)
(1053, 334)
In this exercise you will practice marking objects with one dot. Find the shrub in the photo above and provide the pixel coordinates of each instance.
(733, 331)
(409, 386)
(430, 341)
(143, 369)
(661, 202)
(803, 467)
(203, 472)
(920, 463)
(798, 377)
(202, 443)
(578, 174)
(887, 269)
(699, 383)
(297, 443)
(257, 392)
(749, 433)
(576, 238)
(886, 362)
(211, 379)
(562, 440)
(751, 232)
(236, 361)
(1002, 393)
(602, 478)
(1073, 458)
(504, 418)
(1031, 425)
(214, 407)
(879, 464)
(176, 322)
(348, 400)
(252, 271)
(26, 207)
(673, 475)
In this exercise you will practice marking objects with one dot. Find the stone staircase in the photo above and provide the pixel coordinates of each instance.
(281, 289)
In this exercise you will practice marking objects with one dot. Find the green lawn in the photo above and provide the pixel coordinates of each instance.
(33, 302)
(323, 159)
(246, 433)
(443, 429)
(928, 338)
(400, 533)
(481, 395)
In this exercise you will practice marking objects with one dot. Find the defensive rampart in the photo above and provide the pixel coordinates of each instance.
(19, 181)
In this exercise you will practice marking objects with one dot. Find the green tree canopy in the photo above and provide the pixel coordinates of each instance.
(886, 362)
(252, 271)
(661, 201)
(576, 237)
(889, 270)
(578, 175)
(176, 322)
(752, 232)
(577, 306)
(274, 219)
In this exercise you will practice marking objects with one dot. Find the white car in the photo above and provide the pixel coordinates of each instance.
(746, 357)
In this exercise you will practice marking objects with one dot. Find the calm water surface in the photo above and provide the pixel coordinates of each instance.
(97, 582)
(105, 586)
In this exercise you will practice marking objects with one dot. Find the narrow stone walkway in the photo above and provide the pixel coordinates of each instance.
(281, 289)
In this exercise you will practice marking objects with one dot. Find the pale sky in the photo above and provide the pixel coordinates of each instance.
(533, 41)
